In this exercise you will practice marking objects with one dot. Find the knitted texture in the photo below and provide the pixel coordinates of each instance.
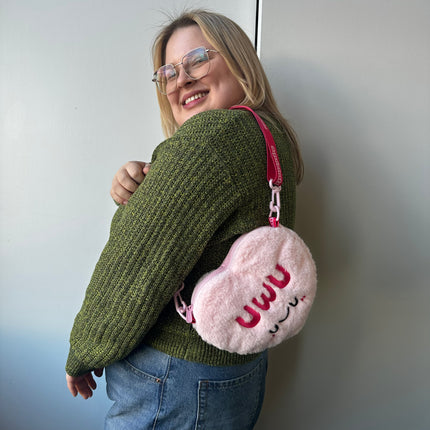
(207, 185)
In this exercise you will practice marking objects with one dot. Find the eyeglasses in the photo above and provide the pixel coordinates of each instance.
(196, 65)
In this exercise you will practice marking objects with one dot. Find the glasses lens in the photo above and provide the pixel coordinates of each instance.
(196, 63)
(166, 78)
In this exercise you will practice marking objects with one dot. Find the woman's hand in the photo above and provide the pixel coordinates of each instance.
(127, 179)
(84, 384)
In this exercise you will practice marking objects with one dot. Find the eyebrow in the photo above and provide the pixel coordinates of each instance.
(183, 55)
(178, 60)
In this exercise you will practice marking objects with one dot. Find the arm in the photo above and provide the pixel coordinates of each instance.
(155, 241)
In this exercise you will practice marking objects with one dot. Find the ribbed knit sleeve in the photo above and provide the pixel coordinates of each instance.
(157, 238)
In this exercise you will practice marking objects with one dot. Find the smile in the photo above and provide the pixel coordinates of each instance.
(195, 97)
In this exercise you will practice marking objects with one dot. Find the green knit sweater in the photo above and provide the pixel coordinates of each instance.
(207, 185)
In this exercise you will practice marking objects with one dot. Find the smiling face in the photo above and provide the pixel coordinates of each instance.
(219, 89)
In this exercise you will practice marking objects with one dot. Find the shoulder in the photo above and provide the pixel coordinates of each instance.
(219, 132)
(217, 125)
(223, 131)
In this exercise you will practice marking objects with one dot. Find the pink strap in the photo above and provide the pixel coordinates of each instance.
(274, 177)
(274, 172)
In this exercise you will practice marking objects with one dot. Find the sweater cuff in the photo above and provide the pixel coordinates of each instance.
(75, 367)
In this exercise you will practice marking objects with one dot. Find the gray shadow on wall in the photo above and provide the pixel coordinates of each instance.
(311, 101)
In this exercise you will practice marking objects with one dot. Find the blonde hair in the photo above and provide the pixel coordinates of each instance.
(234, 46)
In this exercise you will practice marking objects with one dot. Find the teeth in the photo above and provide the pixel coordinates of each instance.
(194, 97)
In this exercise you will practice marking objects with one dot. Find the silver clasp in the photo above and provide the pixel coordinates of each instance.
(275, 204)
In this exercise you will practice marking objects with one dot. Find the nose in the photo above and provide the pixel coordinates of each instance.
(182, 78)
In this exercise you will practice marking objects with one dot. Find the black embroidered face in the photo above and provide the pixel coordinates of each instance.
(293, 305)
(275, 330)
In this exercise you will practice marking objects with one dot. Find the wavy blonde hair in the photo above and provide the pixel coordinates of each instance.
(239, 54)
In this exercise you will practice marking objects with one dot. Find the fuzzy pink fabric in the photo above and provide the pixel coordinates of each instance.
(267, 281)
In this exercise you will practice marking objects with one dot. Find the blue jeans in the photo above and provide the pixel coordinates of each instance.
(153, 390)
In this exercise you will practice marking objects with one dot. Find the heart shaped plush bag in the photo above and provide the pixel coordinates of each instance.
(262, 293)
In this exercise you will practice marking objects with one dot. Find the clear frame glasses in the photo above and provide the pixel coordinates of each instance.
(195, 63)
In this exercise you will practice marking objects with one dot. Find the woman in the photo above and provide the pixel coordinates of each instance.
(206, 186)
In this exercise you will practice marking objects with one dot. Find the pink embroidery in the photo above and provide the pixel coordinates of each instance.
(266, 300)
(278, 283)
(255, 318)
(265, 305)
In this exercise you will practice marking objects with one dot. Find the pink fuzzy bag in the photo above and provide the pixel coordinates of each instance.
(262, 293)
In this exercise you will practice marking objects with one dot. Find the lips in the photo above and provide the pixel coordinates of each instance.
(195, 96)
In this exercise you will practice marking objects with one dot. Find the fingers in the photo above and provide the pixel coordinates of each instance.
(122, 187)
(71, 386)
(83, 385)
(135, 171)
(90, 381)
(127, 180)
(122, 196)
(146, 168)
(98, 372)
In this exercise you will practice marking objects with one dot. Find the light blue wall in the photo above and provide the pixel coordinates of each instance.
(76, 102)
(354, 79)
